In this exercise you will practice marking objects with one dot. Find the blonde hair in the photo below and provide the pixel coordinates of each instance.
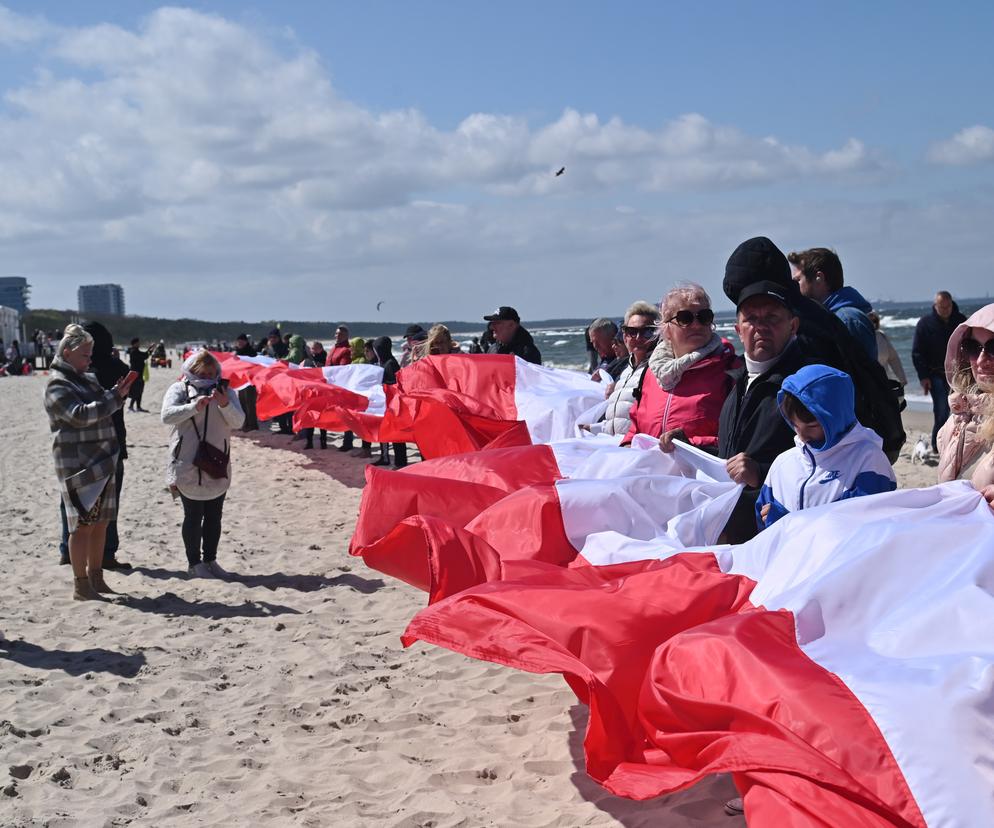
(436, 336)
(963, 382)
(200, 360)
(642, 308)
(72, 338)
(683, 292)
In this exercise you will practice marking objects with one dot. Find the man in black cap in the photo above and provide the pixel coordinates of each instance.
(412, 336)
(822, 338)
(751, 430)
(510, 337)
(277, 348)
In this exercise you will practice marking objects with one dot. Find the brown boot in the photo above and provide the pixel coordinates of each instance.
(83, 591)
(98, 583)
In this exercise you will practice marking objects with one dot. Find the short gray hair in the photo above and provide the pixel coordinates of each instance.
(683, 292)
(643, 308)
(603, 324)
(73, 337)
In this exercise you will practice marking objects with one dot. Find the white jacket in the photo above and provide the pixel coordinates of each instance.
(620, 401)
(179, 410)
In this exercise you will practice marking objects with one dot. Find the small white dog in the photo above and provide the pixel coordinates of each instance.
(920, 453)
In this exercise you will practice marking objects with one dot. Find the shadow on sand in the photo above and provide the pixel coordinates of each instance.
(275, 580)
(73, 662)
(171, 605)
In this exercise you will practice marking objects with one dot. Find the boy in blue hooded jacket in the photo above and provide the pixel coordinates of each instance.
(834, 457)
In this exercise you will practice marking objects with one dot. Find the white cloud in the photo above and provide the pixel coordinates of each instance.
(18, 29)
(972, 145)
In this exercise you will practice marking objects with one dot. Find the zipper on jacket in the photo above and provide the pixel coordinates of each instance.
(666, 413)
(814, 468)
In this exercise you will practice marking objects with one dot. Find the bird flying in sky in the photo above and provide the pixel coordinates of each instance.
(560, 171)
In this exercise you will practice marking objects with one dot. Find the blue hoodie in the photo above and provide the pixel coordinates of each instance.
(849, 463)
(849, 305)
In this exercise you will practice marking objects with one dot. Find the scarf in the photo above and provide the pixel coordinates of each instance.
(669, 368)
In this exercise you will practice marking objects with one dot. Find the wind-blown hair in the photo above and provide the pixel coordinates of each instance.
(72, 338)
(643, 308)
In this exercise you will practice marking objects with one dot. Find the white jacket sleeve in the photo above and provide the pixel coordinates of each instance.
(175, 406)
(232, 412)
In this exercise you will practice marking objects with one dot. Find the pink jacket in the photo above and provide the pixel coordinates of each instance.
(694, 404)
(958, 440)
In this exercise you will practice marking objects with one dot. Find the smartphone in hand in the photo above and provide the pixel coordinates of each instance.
(131, 376)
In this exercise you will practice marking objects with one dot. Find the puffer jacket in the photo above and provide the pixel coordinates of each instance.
(620, 401)
(179, 410)
(850, 462)
(693, 405)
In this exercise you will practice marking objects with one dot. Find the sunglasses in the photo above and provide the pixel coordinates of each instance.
(639, 333)
(972, 348)
(685, 318)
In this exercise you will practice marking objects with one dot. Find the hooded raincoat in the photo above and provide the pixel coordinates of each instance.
(849, 463)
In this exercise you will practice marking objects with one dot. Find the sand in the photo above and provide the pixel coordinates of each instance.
(280, 698)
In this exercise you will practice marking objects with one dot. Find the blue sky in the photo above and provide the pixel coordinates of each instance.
(325, 156)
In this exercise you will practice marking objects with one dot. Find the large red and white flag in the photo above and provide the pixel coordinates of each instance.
(840, 665)
(455, 521)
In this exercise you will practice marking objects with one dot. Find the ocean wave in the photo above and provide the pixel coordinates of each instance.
(897, 322)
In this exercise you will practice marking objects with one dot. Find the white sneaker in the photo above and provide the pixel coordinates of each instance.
(216, 569)
(200, 570)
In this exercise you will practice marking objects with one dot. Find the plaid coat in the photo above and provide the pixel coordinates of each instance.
(84, 441)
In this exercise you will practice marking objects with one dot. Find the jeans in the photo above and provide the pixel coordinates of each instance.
(201, 523)
(111, 542)
(940, 405)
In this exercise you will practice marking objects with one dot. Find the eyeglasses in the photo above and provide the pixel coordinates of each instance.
(972, 348)
(685, 318)
(648, 332)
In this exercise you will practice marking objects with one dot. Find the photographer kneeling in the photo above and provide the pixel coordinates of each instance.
(203, 411)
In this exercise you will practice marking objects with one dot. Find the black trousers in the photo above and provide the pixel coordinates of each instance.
(247, 398)
(136, 392)
(201, 525)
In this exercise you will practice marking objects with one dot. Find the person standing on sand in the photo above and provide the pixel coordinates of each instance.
(137, 357)
(85, 448)
(928, 352)
(201, 409)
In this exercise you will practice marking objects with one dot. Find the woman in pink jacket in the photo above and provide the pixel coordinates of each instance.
(966, 441)
(687, 379)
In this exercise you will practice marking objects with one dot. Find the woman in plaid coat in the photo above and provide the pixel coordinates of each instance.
(85, 448)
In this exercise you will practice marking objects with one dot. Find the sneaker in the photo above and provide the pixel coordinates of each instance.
(734, 807)
(64, 558)
(216, 570)
(200, 570)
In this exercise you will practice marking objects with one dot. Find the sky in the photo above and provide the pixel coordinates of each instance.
(308, 161)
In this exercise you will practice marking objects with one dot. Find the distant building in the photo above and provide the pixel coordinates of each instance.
(101, 299)
(14, 292)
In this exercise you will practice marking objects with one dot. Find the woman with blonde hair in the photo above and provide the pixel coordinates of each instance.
(438, 342)
(203, 411)
(86, 448)
(966, 441)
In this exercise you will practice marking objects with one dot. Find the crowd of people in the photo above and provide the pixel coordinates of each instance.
(807, 414)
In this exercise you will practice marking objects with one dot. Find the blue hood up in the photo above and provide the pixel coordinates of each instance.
(826, 393)
(847, 297)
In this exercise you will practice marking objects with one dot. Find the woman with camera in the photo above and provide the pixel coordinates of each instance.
(203, 411)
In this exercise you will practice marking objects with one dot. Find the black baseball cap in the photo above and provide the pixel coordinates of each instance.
(413, 330)
(774, 290)
(503, 313)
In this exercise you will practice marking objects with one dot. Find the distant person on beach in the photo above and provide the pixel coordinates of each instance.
(887, 354)
(86, 448)
(247, 396)
(833, 458)
(641, 333)
(602, 333)
(822, 338)
(341, 351)
(383, 348)
(928, 353)
(688, 376)
(438, 342)
(510, 337)
(318, 354)
(818, 273)
(202, 411)
(487, 339)
(137, 359)
(413, 336)
(360, 356)
(357, 345)
(275, 346)
(966, 440)
(474, 346)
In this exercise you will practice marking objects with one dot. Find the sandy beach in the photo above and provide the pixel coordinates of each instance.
(282, 697)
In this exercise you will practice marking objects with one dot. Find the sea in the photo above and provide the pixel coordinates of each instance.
(563, 347)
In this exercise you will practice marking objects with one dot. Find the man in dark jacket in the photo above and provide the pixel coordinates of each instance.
(928, 352)
(510, 337)
(818, 273)
(383, 348)
(248, 395)
(137, 358)
(751, 430)
(822, 338)
(108, 370)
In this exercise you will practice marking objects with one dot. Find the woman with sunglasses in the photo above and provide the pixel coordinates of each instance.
(687, 379)
(640, 333)
(966, 441)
